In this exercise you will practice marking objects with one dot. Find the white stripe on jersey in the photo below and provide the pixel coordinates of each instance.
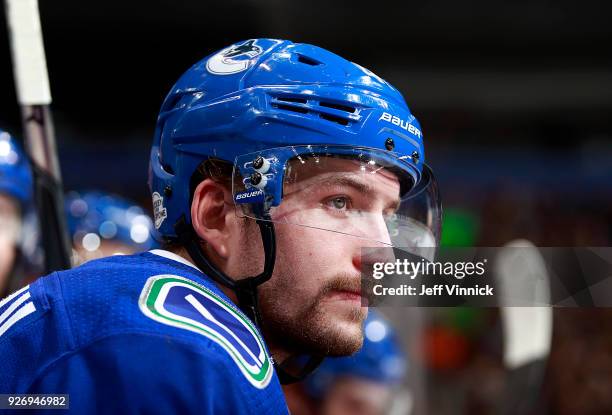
(14, 306)
(24, 311)
(10, 297)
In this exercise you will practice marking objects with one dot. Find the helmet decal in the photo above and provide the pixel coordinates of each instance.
(234, 59)
(159, 211)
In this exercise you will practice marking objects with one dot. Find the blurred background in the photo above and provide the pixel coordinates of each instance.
(514, 99)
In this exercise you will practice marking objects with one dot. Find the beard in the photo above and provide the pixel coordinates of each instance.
(288, 322)
(310, 329)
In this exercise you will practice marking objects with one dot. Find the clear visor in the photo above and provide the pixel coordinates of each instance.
(368, 194)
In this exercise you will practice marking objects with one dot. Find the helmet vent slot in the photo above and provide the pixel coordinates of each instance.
(344, 113)
(292, 99)
(334, 118)
(338, 107)
(290, 108)
(308, 60)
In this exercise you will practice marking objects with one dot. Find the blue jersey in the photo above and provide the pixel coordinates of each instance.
(138, 334)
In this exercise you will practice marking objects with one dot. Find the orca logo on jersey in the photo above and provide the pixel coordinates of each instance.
(404, 124)
(234, 59)
(180, 302)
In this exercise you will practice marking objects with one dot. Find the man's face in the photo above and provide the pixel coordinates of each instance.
(313, 302)
(9, 230)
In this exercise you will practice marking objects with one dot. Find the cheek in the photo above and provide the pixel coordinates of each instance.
(310, 256)
(245, 249)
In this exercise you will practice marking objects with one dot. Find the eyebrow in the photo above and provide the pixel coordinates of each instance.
(358, 185)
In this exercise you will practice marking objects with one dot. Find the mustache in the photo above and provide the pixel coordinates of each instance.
(347, 282)
(342, 282)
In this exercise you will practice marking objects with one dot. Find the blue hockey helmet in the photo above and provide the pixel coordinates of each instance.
(15, 171)
(380, 359)
(94, 217)
(281, 112)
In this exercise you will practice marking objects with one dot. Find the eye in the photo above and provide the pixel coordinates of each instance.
(338, 203)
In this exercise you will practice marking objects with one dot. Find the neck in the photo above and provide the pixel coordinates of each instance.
(278, 353)
(182, 252)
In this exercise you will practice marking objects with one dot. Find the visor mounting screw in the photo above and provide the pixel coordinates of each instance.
(168, 191)
(415, 156)
(261, 165)
(258, 162)
(258, 180)
(389, 144)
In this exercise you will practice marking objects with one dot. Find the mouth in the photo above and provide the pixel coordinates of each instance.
(347, 289)
(348, 295)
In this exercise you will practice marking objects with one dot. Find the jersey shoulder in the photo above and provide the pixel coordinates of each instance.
(150, 293)
(136, 295)
(146, 373)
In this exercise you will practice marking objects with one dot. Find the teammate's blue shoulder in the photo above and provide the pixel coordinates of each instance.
(31, 336)
(17, 307)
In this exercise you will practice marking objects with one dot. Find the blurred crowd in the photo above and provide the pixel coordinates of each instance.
(99, 223)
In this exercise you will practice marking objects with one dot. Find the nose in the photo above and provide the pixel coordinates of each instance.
(377, 230)
(376, 247)
(365, 257)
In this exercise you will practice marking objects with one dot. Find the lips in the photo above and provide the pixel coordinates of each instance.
(344, 287)
(349, 295)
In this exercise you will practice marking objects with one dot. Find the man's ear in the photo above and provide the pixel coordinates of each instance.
(208, 215)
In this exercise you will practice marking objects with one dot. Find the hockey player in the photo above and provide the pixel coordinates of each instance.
(362, 384)
(272, 165)
(15, 198)
(103, 224)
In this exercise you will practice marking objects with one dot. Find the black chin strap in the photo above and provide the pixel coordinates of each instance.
(245, 288)
(285, 375)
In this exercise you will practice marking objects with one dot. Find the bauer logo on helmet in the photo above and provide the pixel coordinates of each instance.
(404, 124)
